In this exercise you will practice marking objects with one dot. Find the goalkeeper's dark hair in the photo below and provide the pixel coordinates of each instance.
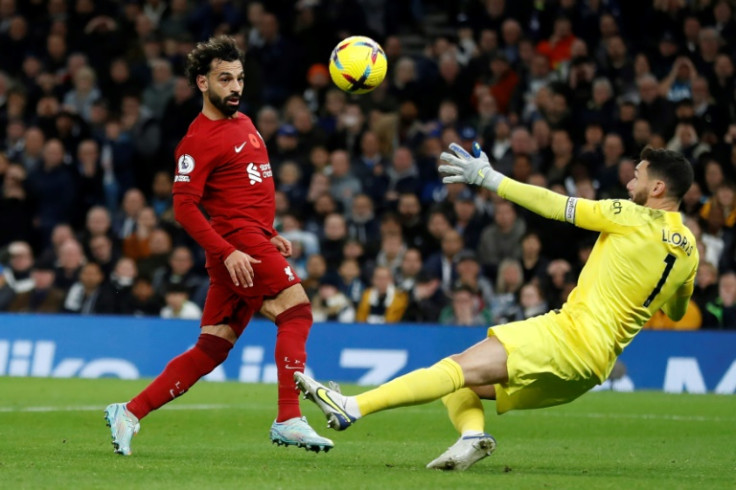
(671, 167)
(199, 61)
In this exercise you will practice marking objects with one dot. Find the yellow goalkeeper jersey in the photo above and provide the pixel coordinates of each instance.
(643, 259)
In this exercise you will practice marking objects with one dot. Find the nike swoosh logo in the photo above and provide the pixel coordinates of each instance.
(480, 172)
(322, 395)
(238, 148)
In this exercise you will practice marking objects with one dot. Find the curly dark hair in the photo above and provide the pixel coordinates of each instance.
(199, 61)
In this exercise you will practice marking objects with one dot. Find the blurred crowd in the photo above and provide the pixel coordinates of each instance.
(560, 93)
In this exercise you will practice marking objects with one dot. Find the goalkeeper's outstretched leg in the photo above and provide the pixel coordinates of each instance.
(480, 365)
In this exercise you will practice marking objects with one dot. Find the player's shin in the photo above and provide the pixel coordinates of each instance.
(465, 411)
(293, 328)
(181, 373)
(420, 386)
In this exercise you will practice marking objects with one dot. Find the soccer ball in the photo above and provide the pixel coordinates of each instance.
(357, 65)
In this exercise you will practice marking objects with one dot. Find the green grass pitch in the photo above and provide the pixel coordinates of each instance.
(52, 435)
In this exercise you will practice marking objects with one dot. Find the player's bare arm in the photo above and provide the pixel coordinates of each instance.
(239, 266)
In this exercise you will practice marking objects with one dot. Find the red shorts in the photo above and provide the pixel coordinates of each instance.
(235, 305)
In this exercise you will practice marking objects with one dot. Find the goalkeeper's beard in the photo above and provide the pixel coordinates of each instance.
(640, 197)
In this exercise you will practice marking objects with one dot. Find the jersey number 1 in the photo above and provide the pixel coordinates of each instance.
(670, 263)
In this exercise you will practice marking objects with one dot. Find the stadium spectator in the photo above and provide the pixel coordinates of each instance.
(316, 270)
(720, 313)
(80, 99)
(17, 275)
(33, 142)
(53, 189)
(413, 228)
(178, 270)
(465, 309)
(706, 284)
(344, 185)
(71, 258)
(43, 298)
(16, 211)
(157, 94)
(352, 284)
(161, 201)
(533, 262)
(557, 47)
(442, 264)
(426, 300)
(159, 246)
(383, 302)
(143, 299)
(504, 304)
(330, 304)
(102, 252)
(125, 222)
(468, 222)
(91, 294)
(178, 304)
(137, 245)
(531, 301)
(333, 239)
(469, 273)
(501, 239)
(411, 265)
(362, 223)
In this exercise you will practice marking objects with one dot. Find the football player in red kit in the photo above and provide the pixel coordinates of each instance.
(222, 165)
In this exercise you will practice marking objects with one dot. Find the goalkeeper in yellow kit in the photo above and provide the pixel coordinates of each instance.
(645, 259)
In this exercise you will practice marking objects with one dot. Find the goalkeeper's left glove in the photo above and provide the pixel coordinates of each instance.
(469, 169)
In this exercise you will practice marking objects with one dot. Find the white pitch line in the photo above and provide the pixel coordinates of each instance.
(94, 408)
(641, 416)
(537, 413)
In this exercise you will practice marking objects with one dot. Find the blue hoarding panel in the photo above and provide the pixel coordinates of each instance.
(125, 347)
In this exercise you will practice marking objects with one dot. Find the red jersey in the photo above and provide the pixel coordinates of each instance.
(223, 166)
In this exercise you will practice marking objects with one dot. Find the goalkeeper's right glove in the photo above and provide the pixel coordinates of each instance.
(469, 169)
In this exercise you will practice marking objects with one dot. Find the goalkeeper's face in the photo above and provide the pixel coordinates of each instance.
(638, 187)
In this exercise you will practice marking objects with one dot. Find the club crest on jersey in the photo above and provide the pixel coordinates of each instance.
(254, 174)
(185, 164)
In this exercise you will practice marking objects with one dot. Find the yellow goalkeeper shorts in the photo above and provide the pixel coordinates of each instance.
(544, 369)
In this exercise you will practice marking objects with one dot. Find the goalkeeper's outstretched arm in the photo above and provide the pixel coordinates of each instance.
(477, 170)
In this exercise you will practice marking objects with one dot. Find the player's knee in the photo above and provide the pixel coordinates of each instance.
(298, 317)
(216, 348)
(302, 312)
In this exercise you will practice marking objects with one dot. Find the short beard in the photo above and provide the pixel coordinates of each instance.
(221, 104)
(640, 198)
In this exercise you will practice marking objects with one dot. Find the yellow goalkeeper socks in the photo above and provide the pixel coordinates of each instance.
(420, 386)
(465, 411)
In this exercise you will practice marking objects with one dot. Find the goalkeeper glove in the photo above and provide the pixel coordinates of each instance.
(469, 169)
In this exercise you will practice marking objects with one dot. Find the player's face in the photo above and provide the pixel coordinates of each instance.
(225, 86)
(638, 187)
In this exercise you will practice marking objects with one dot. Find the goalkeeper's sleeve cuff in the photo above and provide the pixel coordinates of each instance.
(493, 180)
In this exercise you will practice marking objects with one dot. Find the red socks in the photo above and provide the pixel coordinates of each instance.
(210, 351)
(293, 329)
(181, 373)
